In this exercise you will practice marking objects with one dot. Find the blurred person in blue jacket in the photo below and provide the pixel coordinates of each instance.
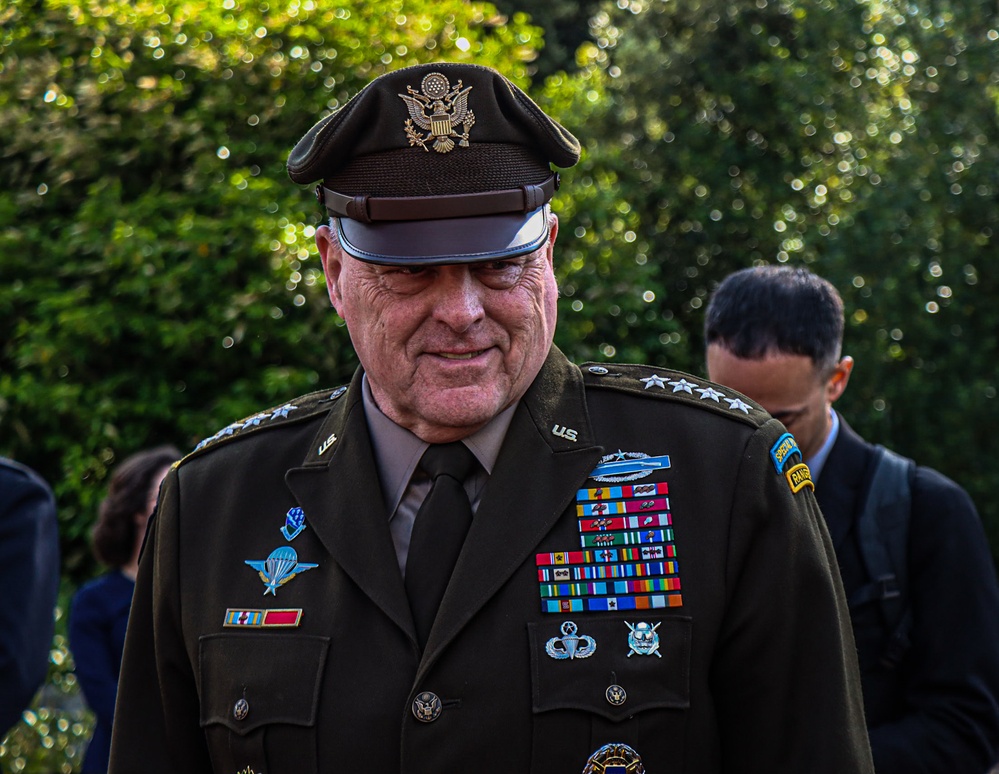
(29, 576)
(99, 613)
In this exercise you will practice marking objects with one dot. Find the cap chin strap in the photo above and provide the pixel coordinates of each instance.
(368, 209)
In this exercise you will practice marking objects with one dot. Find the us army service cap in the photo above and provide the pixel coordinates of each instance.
(436, 163)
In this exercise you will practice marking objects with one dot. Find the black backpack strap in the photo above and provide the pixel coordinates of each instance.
(883, 535)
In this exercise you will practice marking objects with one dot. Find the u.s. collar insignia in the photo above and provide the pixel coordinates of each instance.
(280, 567)
(438, 111)
(294, 523)
(643, 640)
(615, 758)
(570, 645)
(628, 466)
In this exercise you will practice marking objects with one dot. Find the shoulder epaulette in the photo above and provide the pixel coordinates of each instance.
(296, 410)
(651, 381)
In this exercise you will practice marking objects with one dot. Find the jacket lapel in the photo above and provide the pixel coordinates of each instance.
(535, 479)
(341, 494)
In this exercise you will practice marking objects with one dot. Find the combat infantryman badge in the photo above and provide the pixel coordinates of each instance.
(568, 645)
(628, 466)
(280, 567)
(615, 758)
(447, 107)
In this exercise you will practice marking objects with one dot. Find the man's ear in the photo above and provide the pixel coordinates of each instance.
(552, 234)
(331, 256)
(836, 385)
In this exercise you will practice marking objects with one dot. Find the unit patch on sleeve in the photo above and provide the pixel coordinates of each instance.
(784, 448)
(798, 477)
(628, 556)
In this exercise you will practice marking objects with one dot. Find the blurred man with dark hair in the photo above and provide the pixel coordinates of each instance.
(913, 555)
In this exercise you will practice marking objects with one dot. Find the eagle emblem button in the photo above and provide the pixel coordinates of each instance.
(241, 709)
(616, 695)
(427, 707)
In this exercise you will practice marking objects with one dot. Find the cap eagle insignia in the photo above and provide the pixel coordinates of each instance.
(438, 110)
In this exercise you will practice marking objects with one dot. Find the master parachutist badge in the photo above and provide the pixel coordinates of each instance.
(643, 640)
(438, 111)
(570, 645)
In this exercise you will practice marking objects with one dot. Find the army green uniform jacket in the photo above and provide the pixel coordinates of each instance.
(684, 602)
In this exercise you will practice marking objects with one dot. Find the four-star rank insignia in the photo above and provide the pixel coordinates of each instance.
(438, 110)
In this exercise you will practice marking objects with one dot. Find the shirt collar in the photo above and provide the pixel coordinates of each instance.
(818, 460)
(398, 451)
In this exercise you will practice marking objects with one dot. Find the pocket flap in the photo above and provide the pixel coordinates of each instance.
(655, 675)
(273, 678)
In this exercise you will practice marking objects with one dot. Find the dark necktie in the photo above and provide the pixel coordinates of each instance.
(438, 531)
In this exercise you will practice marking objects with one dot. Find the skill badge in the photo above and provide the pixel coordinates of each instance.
(643, 640)
(280, 567)
(628, 466)
(570, 645)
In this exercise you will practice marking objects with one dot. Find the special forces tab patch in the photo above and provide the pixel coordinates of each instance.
(784, 448)
(798, 476)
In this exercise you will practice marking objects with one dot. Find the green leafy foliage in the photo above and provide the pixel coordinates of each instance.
(54, 731)
(158, 277)
(859, 138)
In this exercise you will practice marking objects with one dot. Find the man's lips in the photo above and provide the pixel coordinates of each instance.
(460, 355)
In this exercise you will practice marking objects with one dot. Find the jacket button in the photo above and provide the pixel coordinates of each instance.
(241, 709)
(616, 695)
(427, 707)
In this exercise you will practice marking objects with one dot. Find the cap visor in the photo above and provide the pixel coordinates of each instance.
(451, 240)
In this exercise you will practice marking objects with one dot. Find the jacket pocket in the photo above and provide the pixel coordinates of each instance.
(259, 700)
(625, 679)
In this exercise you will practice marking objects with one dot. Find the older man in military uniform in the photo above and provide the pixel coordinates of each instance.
(478, 556)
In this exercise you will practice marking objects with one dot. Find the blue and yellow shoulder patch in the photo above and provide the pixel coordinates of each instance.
(784, 450)
(674, 385)
(295, 410)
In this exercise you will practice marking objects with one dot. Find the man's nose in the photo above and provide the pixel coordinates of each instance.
(458, 301)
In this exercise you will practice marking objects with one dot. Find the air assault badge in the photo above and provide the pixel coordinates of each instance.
(438, 110)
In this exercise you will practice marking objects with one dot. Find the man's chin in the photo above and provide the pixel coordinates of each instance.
(460, 406)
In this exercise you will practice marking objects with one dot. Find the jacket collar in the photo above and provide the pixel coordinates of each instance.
(548, 451)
